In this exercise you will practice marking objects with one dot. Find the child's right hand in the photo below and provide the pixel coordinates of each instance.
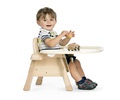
(70, 34)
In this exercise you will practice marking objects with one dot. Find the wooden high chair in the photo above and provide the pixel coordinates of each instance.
(42, 65)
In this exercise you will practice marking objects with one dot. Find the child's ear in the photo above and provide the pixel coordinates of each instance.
(38, 22)
(56, 21)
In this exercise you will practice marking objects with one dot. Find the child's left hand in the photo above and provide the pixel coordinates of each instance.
(70, 34)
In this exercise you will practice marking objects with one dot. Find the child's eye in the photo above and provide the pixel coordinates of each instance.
(51, 19)
(44, 19)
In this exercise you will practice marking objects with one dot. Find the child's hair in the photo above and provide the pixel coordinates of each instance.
(44, 11)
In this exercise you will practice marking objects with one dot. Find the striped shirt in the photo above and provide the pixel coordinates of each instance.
(44, 34)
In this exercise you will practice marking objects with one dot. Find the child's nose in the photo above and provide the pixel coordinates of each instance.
(48, 21)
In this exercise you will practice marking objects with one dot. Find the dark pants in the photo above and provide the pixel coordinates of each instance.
(68, 58)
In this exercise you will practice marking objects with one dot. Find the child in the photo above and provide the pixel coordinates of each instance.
(49, 39)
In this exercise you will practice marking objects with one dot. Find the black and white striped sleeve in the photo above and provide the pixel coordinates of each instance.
(43, 37)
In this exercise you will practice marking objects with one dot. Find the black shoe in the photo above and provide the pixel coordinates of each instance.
(89, 80)
(86, 86)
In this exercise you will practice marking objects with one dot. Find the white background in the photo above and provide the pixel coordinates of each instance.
(95, 22)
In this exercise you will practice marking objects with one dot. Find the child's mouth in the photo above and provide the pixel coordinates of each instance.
(48, 25)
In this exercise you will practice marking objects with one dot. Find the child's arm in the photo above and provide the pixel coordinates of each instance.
(55, 41)
(64, 41)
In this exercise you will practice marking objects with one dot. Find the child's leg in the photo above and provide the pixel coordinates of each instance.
(82, 84)
(79, 68)
(78, 74)
(74, 72)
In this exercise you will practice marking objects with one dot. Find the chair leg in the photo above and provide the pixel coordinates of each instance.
(39, 80)
(65, 76)
(30, 76)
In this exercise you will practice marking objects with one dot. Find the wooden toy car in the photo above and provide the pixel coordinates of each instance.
(73, 47)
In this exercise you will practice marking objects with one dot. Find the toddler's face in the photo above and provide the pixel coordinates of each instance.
(47, 23)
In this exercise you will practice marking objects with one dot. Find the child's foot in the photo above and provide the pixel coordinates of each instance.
(86, 86)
